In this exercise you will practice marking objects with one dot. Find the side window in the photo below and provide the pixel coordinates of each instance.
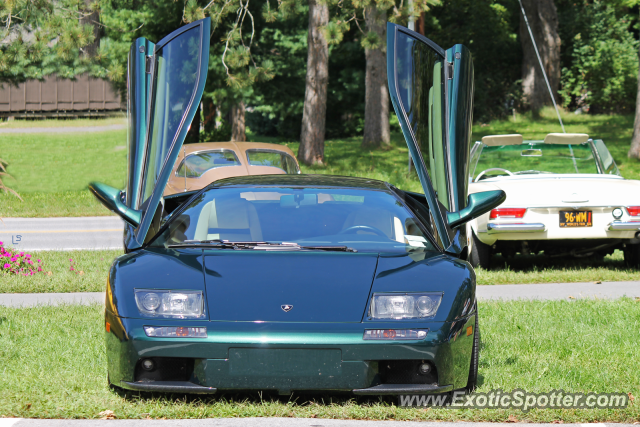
(198, 163)
(475, 156)
(272, 158)
(420, 87)
(608, 163)
(176, 75)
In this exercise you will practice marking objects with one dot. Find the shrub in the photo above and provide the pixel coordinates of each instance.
(14, 262)
(603, 71)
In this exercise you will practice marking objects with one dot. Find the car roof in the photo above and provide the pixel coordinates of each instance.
(236, 146)
(301, 180)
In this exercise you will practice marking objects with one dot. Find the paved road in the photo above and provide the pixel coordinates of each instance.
(68, 129)
(557, 291)
(100, 232)
(550, 291)
(266, 422)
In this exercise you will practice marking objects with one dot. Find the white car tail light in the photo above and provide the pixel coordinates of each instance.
(507, 213)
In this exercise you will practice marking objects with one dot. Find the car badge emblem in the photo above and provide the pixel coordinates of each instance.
(286, 307)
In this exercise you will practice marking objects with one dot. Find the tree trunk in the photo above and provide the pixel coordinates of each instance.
(376, 99)
(193, 134)
(311, 149)
(634, 150)
(543, 18)
(209, 116)
(238, 131)
(92, 19)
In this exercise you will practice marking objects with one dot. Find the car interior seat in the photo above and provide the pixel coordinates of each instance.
(228, 219)
(378, 218)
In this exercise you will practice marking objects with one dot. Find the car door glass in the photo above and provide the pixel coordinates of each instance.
(475, 156)
(176, 71)
(420, 79)
(608, 163)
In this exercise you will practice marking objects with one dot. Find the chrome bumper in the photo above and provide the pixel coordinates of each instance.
(624, 226)
(493, 228)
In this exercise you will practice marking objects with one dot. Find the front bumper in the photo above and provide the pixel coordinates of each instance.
(289, 357)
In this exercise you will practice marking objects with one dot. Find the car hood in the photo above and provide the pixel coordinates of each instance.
(563, 190)
(288, 287)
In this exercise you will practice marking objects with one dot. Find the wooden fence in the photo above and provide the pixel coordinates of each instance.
(56, 97)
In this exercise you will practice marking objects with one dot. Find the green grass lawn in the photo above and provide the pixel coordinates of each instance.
(541, 269)
(532, 269)
(91, 269)
(52, 171)
(53, 366)
(118, 119)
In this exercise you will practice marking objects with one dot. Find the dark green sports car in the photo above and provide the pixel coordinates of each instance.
(295, 282)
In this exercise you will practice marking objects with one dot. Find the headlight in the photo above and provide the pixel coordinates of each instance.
(405, 306)
(167, 303)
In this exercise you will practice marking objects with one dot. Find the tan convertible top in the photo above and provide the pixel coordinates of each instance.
(552, 138)
(235, 146)
(496, 140)
(566, 138)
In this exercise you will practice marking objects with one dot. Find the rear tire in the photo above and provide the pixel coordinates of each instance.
(480, 253)
(472, 382)
(632, 256)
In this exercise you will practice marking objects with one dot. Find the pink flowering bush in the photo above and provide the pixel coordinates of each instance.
(14, 262)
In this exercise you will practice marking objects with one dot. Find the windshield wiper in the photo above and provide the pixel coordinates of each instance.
(329, 248)
(216, 243)
(284, 246)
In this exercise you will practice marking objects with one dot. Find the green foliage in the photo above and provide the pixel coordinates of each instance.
(41, 37)
(489, 28)
(601, 59)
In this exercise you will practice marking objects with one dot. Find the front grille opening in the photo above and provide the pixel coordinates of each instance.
(164, 369)
(406, 372)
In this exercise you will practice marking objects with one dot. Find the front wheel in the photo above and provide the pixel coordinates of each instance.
(480, 253)
(632, 256)
(472, 382)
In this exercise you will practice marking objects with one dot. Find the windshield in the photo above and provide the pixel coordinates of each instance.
(535, 158)
(364, 220)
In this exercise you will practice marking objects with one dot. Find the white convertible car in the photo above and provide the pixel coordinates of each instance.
(565, 196)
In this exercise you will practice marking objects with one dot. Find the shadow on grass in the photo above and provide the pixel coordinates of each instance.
(531, 263)
(296, 399)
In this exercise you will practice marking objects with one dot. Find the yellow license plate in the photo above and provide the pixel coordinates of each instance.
(576, 218)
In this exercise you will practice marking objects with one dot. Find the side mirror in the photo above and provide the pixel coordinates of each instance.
(111, 198)
(477, 204)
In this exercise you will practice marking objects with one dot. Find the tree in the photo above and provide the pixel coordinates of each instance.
(374, 12)
(311, 150)
(543, 18)
(634, 149)
(376, 113)
(238, 130)
(489, 28)
(232, 68)
(42, 37)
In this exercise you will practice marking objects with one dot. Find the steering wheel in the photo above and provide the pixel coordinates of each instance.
(481, 174)
(354, 229)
